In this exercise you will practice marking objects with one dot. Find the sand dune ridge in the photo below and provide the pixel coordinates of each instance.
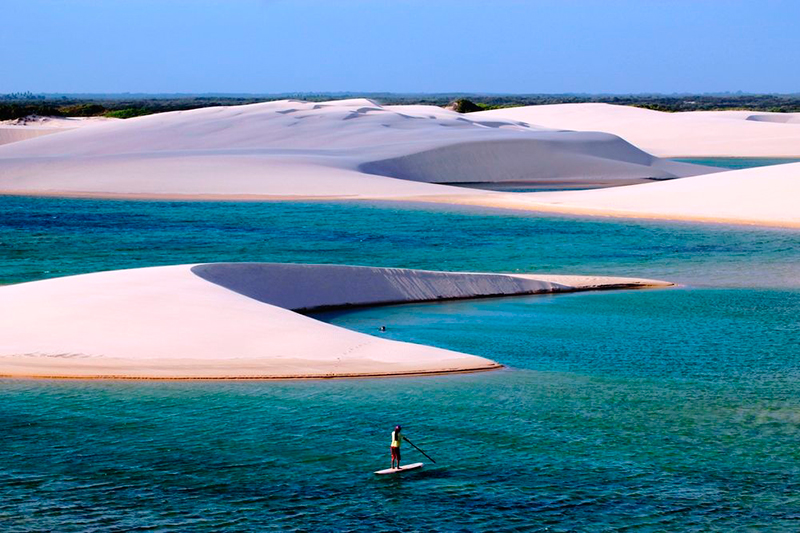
(234, 320)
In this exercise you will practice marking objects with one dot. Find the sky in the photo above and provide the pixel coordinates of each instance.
(487, 46)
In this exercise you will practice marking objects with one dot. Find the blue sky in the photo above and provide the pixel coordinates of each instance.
(499, 46)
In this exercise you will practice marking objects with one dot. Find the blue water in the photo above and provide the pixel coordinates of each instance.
(661, 410)
(48, 237)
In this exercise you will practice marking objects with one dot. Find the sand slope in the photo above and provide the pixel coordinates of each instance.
(345, 148)
(234, 321)
(691, 134)
(763, 196)
(36, 126)
(12, 134)
(358, 149)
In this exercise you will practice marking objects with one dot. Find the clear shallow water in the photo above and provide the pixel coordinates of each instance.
(614, 415)
(646, 410)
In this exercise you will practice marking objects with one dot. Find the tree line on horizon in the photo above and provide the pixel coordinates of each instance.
(20, 105)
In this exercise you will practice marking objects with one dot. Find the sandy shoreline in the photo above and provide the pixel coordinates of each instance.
(299, 377)
(513, 204)
(494, 200)
(241, 321)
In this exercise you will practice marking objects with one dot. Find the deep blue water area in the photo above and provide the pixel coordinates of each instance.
(650, 410)
(48, 237)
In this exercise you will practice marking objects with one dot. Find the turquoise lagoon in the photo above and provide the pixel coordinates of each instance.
(738, 163)
(657, 410)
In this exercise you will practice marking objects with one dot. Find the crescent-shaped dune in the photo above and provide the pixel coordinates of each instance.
(237, 320)
(348, 148)
(688, 134)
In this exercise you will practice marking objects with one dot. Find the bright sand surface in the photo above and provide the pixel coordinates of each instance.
(766, 196)
(688, 134)
(356, 149)
(238, 320)
(36, 126)
(348, 148)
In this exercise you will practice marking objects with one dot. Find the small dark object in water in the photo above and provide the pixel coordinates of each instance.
(383, 328)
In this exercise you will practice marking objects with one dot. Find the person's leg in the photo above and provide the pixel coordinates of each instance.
(398, 457)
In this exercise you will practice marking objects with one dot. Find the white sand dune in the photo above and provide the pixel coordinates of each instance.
(689, 134)
(359, 149)
(236, 321)
(11, 134)
(36, 126)
(347, 148)
(762, 196)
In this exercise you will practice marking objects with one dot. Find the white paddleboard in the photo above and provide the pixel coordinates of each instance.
(403, 468)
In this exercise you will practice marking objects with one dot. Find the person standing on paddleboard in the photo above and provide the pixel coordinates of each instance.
(397, 439)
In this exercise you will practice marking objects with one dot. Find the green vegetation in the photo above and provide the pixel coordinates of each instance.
(128, 112)
(14, 111)
(82, 110)
(18, 105)
(462, 105)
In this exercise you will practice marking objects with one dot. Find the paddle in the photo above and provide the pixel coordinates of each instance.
(420, 451)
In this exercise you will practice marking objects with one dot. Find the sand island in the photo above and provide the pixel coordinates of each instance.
(246, 320)
(240, 321)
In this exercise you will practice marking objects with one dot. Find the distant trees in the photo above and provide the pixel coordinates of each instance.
(82, 110)
(129, 112)
(27, 96)
(462, 105)
(18, 105)
(15, 111)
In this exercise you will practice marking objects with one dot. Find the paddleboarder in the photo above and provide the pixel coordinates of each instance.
(397, 439)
